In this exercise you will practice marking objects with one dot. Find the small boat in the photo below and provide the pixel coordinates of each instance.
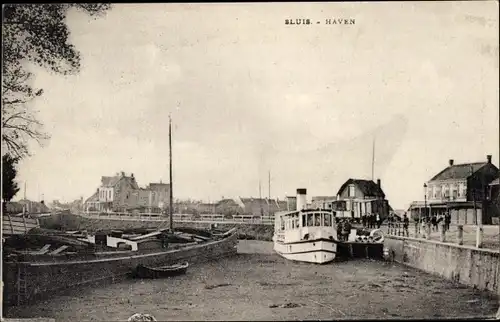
(143, 271)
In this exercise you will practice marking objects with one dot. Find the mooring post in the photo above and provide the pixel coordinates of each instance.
(479, 237)
(460, 234)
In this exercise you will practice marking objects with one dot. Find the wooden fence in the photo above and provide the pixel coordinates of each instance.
(17, 225)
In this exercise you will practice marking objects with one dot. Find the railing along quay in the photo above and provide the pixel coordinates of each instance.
(178, 218)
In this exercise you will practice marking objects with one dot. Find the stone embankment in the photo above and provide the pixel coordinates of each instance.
(467, 265)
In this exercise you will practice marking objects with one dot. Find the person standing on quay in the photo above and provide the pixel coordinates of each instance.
(379, 221)
(447, 221)
(434, 222)
(406, 223)
(417, 226)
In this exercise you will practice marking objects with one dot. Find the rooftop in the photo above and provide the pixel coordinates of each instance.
(368, 187)
(459, 171)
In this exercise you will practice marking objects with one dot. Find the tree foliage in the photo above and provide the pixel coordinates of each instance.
(9, 173)
(35, 33)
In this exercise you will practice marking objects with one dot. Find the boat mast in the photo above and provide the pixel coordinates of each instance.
(171, 200)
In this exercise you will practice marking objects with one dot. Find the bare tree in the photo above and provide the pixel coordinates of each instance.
(19, 122)
(34, 33)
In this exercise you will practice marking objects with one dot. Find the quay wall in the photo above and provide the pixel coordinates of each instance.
(471, 266)
(44, 280)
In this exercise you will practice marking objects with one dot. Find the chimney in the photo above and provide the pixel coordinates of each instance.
(488, 157)
(301, 198)
(132, 175)
(123, 174)
(378, 182)
(451, 162)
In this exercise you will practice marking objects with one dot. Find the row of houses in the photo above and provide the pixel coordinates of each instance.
(466, 191)
(356, 197)
(121, 193)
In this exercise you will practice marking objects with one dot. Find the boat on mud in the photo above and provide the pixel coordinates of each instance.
(143, 271)
(43, 262)
(305, 235)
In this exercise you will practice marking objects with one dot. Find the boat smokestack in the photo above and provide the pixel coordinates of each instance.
(301, 198)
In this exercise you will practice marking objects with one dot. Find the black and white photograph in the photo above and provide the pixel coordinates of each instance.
(239, 161)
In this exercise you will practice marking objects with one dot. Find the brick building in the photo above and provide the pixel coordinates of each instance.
(459, 189)
(121, 193)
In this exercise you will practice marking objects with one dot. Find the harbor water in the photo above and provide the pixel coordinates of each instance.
(259, 285)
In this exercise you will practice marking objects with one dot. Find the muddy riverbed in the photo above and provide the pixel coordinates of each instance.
(259, 285)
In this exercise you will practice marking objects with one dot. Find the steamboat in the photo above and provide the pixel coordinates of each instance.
(306, 235)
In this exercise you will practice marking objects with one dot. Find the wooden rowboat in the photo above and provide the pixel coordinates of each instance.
(163, 271)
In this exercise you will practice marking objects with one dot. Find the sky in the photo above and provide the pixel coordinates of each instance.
(249, 95)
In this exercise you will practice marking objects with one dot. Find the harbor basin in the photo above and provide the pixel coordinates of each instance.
(260, 285)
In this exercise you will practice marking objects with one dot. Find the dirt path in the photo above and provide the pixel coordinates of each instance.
(259, 285)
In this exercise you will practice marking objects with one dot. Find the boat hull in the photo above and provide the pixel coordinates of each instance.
(27, 281)
(319, 251)
(160, 272)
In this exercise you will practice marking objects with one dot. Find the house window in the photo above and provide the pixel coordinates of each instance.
(351, 191)
(462, 190)
(446, 191)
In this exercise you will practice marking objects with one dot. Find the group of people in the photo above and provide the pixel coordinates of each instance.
(371, 220)
(434, 221)
(394, 222)
(344, 225)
